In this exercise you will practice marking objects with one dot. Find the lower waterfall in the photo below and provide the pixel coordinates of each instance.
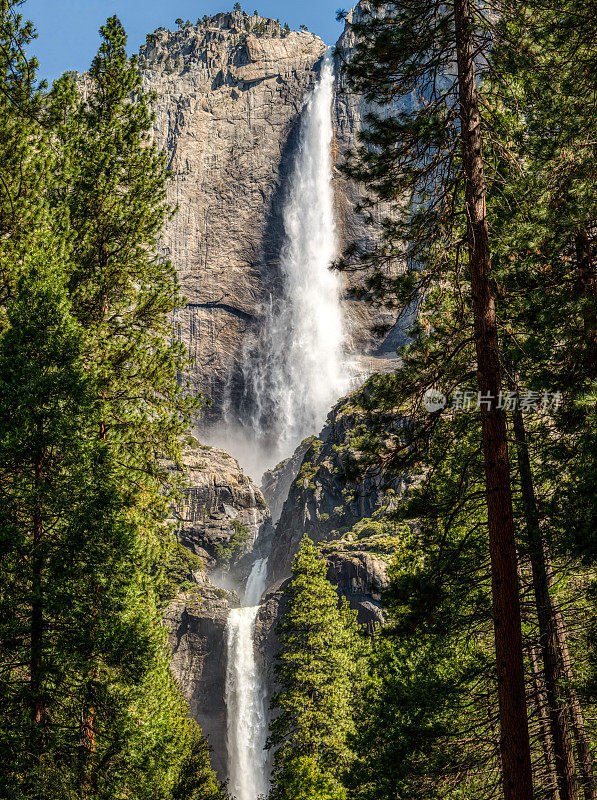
(246, 728)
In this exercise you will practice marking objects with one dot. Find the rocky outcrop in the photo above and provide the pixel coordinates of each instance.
(327, 497)
(196, 624)
(276, 482)
(222, 512)
(272, 608)
(361, 576)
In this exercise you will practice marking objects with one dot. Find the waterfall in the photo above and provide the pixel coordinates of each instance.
(297, 368)
(294, 371)
(245, 695)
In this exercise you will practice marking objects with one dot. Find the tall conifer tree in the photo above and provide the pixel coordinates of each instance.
(317, 671)
(89, 402)
(429, 154)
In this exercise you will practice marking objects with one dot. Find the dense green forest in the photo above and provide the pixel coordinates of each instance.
(480, 160)
(90, 408)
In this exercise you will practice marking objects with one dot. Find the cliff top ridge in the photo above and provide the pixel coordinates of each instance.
(236, 23)
(173, 49)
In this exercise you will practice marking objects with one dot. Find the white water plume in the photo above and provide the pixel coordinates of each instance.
(293, 374)
(298, 368)
(246, 728)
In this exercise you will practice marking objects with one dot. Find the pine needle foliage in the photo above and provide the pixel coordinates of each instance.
(91, 405)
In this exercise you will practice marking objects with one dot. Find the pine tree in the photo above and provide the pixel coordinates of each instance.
(302, 778)
(317, 669)
(196, 780)
(428, 722)
(88, 403)
(123, 290)
(521, 216)
(24, 156)
(429, 155)
(64, 522)
(76, 588)
(550, 299)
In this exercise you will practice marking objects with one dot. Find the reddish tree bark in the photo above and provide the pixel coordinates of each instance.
(38, 703)
(514, 739)
(543, 717)
(581, 738)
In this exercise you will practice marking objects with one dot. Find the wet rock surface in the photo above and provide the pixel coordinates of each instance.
(325, 497)
(276, 482)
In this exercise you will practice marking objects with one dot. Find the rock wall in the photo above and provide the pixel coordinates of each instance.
(325, 496)
(196, 624)
(222, 508)
(228, 98)
(276, 482)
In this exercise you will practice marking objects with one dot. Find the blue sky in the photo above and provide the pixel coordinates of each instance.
(68, 29)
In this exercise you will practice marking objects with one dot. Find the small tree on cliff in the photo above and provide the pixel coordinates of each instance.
(317, 669)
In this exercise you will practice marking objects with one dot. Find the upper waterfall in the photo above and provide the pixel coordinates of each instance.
(296, 367)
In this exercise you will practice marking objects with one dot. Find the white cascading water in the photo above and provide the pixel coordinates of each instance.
(246, 729)
(298, 368)
(293, 375)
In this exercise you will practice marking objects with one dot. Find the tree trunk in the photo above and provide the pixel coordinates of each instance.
(588, 288)
(514, 743)
(560, 732)
(544, 733)
(38, 703)
(87, 735)
(87, 744)
(583, 747)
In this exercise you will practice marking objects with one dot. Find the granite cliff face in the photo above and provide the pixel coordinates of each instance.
(196, 625)
(276, 482)
(228, 98)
